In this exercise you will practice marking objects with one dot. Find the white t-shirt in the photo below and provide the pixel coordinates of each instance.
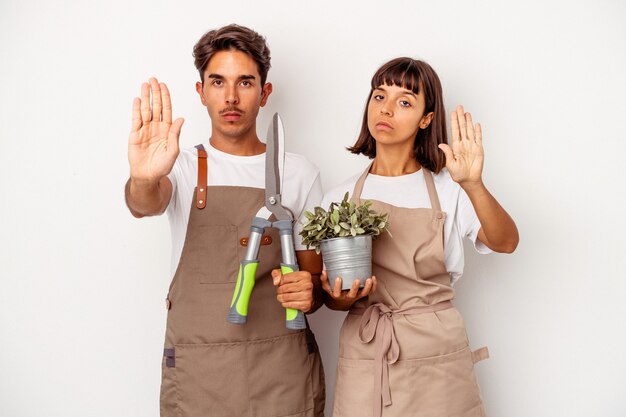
(302, 189)
(410, 191)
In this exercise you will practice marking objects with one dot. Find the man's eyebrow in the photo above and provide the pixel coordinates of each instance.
(241, 77)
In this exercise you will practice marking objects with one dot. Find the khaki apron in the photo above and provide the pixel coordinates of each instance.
(404, 350)
(215, 368)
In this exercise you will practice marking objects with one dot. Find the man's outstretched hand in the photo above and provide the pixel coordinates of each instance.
(153, 139)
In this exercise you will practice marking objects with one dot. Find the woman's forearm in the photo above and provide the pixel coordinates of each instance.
(498, 230)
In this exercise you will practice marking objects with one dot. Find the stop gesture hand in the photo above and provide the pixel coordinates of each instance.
(153, 139)
(464, 159)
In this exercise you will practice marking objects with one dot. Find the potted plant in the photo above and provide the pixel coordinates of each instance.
(344, 236)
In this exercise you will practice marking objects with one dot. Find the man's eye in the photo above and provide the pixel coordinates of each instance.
(217, 82)
(246, 83)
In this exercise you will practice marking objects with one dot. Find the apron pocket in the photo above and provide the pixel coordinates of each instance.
(280, 376)
(354, 388)
(214, 265)
(443, 385)
(211, 379)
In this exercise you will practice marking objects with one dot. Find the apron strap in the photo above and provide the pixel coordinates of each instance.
(202, 177)
(358, 187)
(377, 323)
(480, 354)
(432, 191)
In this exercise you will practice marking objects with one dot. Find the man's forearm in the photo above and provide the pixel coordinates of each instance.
(146, 199)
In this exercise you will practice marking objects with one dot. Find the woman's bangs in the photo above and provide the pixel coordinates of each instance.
(403, 74)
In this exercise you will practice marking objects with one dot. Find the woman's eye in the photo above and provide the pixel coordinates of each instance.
(378, 97)
(405, 103)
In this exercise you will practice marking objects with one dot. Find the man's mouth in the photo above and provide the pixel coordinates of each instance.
(231, 115)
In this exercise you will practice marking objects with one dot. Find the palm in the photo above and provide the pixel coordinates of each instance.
(153, 140)
(464, 158)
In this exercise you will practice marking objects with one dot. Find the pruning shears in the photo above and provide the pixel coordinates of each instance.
(274, 170)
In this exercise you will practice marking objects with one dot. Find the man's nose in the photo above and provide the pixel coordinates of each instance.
(232, 97)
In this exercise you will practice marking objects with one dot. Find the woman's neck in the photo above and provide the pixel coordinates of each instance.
(390, 162)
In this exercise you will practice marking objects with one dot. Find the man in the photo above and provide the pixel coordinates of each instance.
(210, 366)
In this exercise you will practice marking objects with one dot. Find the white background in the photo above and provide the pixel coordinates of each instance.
(82, 315)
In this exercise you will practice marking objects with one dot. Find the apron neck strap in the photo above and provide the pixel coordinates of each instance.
(428, 177)
(432, 192)
(202, 177)
(358, 187)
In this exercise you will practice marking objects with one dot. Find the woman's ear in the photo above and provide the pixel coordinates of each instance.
(425, 122)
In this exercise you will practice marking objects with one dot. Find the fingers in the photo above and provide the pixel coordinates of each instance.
(325, 283)
(460, 115)
(469, 127)
(478, 134)
(369, 284)
(166, 102)
(456, 130)
(156, 99)
(448, 152)
(173, 137)
(354, 289)
(136, 118)
(146, 114)
(277, 277)
(337, 288)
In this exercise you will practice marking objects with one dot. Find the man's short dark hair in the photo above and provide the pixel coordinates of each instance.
(232, 37)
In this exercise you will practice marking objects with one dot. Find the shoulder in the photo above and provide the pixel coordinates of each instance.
(299, 167)
(445, 184)
(186, 156)
(337, 192)
(300, 161)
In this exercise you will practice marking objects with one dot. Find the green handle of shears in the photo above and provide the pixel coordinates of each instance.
(295, 318)
(238, 312)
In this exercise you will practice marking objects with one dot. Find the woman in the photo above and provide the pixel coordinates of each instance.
(403, 346)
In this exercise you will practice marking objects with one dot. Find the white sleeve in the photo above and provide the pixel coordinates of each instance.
(173, 177)
(468, 223)
(313, 199)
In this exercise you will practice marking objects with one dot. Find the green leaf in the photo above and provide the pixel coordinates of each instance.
(344, 225)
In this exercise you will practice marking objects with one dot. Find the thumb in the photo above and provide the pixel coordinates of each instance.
(175, 129)
(447, 151)
(277, 277)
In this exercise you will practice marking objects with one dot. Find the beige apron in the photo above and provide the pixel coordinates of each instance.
(404, 350)
(215, 368)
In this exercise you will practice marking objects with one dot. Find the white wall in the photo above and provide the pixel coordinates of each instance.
(82, 283)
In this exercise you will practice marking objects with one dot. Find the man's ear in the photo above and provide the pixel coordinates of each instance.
(425, 122)
(265, 93)
(200, 92)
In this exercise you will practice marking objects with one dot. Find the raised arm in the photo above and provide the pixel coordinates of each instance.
(152, 150)
(464, 160)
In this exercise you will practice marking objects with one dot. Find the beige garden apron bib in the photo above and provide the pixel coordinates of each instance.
(404, 350)
(215, 368)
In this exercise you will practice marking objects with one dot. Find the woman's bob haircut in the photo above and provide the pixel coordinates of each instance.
(416, 76)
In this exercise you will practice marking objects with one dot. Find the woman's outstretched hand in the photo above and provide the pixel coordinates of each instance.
(464, 159)
(343, 300)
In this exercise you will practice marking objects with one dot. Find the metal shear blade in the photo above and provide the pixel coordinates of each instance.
(275, 168)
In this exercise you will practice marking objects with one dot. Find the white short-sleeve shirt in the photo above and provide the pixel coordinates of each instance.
(301, 191)
(410, 191)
